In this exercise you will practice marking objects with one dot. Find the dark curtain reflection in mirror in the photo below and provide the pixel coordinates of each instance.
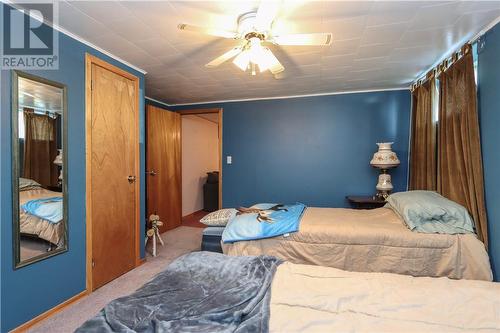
(39, 186)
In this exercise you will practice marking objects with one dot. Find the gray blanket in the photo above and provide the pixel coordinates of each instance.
(198, 292)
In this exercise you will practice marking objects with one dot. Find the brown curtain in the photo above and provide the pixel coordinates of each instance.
(460, 169)
(40, 148)
(423, 138)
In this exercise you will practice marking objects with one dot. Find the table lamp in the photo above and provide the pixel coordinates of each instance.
(384, 159)
(59, 162)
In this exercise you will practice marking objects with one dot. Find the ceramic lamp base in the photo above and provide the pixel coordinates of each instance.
(384, 185)
(382, 195)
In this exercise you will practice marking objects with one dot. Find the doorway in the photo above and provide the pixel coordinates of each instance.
(168, 171)
(112, 171)
(201, 138)
(163, 166)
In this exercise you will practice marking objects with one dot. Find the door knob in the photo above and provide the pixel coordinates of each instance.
(151, 173)
(131, 179)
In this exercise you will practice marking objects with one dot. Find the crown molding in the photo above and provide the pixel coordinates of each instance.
(157, 101)
(79, 38)
(97, 48)
(290, 96)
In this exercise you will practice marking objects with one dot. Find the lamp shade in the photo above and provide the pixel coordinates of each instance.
(385, 158)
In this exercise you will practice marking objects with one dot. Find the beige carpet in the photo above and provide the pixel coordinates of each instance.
(177, 242)
(32, 247)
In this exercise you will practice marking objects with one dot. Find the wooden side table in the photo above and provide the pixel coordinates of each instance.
(365, 202)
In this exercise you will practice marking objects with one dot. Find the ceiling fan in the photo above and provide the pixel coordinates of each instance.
(254, 31)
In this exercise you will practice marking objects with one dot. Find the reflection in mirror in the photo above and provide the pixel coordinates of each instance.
(39, 167)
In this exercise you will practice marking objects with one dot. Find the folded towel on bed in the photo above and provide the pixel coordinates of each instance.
(198, 292)
(50, 209)
(263, 221)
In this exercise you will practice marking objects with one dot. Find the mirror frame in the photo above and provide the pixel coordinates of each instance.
(16, 168)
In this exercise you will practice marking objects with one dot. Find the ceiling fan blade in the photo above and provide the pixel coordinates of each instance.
(323, 38)
(271, 62)
(223, 58)
(268, 9)
(208, 31)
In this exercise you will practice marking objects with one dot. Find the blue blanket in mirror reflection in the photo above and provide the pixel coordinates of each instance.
(50, 209)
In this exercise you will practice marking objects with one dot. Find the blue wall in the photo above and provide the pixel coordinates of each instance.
(31, 290)
(315, 150)
(489, 112)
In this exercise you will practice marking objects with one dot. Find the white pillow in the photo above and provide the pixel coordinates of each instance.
(219, 218)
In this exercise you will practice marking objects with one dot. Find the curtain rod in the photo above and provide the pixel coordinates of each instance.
(443, 65)
(38, 110)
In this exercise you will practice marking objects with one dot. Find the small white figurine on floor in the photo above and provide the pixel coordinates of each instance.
(154, 232)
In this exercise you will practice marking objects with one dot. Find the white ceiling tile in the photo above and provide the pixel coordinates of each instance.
(346, 9)
(131, 28)
(340, 47)
(156, 46)
(431, 38)
(308, 58)
(140, 57)
(405, 53)
(369, 63)
(376, 44)
(77, 22)
(337, 61)
(469, 22)
(107, 11)
(390, 33)
(293, 10)
(346, 28)
(375, 50)
(478, 6)
(391, 12)
(114, 44)
(436, 16)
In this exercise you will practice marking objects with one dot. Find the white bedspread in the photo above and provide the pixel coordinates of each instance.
(321, 299)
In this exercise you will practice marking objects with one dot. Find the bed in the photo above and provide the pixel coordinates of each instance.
(32, 225)
(372, 241)
(210, 292)
(211, 239)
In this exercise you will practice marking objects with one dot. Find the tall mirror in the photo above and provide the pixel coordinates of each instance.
(39, 168)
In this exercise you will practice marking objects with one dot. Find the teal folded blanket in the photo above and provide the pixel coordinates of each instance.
(263, 221)
(50, 209)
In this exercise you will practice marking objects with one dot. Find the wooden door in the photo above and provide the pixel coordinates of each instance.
(164, 166)
(114, 171)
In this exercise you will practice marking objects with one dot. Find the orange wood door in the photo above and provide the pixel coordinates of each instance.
(164, 166)
(113, 159)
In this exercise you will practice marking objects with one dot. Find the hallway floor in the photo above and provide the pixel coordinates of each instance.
(178, 241)
(193, 220)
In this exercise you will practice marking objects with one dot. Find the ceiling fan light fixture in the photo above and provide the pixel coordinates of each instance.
(242, 60)
(265, 59)
(257, 54)
(255, 28)
(273, 63)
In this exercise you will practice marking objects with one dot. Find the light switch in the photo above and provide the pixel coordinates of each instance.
(229, 159)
